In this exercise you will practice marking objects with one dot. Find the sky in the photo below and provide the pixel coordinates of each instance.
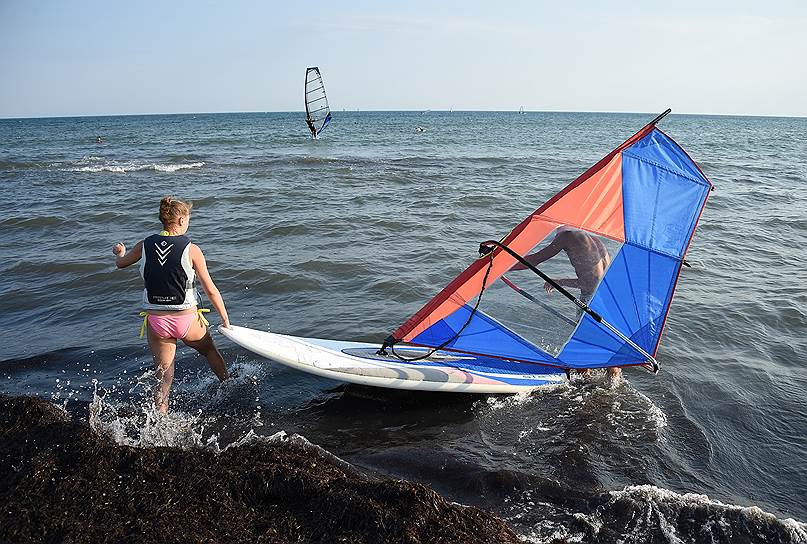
(80, 57)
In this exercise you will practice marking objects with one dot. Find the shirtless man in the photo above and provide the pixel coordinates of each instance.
(587, 255)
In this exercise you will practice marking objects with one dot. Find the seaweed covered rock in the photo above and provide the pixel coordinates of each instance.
(60, 482)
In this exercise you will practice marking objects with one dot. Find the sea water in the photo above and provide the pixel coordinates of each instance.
(346, 237)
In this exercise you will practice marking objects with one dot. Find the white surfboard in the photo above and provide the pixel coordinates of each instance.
(357, 362)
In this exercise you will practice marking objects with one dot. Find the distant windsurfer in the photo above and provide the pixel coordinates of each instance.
(588, 256)
(169, 263)
(312, 128)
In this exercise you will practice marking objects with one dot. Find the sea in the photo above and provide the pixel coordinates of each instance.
(346, 236)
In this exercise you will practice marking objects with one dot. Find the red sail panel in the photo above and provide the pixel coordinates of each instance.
(596, 205)
(600, 185)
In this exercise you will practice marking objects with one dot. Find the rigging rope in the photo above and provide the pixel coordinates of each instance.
(432, 351)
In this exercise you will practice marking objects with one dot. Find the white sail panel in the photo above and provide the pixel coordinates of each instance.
(318, 113)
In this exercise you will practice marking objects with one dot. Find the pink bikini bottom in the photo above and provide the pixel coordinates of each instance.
(172, 326)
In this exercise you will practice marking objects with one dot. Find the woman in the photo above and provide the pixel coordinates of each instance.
(169, 262)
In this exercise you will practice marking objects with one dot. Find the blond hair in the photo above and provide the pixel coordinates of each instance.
(171, 209)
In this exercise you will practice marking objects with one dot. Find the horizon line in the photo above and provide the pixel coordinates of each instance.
(345, 110)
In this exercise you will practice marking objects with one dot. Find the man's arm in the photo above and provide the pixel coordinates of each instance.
(540, 256)
(563, 282)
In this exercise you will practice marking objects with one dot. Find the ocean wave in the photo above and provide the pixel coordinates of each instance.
(639, 514)
(37, 221)
(92, 163)
(132, 167)
(298, 441)
(18, 165)
(644, 513)
(610, 406)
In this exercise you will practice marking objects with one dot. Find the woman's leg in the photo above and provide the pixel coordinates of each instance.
(163, 351)
(199, 339)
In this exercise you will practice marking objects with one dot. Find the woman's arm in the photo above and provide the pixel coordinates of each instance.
(123, 259)
(212, 292)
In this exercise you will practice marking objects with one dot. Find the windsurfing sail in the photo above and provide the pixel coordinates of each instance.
(317, 111)
(642, 201)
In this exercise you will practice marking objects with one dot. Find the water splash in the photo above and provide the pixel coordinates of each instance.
(199, 406)
(613, 406)
(138, 424)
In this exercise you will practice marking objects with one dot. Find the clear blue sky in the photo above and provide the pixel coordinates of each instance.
(82, 57)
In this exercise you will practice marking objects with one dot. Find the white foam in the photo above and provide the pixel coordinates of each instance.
(666, 506)
(134, 167)
(658, 510)
(175, 167)
(116, 169)
(622, 410)
(558, 534)
(501, 402)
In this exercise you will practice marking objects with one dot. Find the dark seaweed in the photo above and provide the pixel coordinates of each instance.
(61, 482)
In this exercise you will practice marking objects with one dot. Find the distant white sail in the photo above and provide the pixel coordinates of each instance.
(317, 111)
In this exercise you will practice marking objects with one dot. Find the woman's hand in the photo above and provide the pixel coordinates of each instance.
(122, 259)
(226, 324)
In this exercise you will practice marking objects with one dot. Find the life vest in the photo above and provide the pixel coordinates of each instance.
(168, 274)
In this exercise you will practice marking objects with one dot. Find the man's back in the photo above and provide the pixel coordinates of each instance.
(588, 257)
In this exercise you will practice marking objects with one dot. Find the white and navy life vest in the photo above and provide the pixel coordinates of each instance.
(168, 273)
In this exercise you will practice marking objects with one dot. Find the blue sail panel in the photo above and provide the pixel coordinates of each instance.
(660, 149)
(593, 346)
(661, 200)
(482, 335)
(325, 123)
(633, 296)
